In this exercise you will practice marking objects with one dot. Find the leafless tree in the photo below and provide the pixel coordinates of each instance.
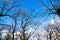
(6, 7)
(52, 30)
(50, 8)
(26, 21)
(25, 18)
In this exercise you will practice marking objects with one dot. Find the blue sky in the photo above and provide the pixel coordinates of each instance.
(31, 5)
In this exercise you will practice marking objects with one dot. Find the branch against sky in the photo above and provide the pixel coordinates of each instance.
(50, 7)
(7, 6)
(26, 18)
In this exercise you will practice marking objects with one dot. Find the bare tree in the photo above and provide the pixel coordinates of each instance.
(26, 21)
(6, 7)
(52, 30)
(50, 9)
(25, 18)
